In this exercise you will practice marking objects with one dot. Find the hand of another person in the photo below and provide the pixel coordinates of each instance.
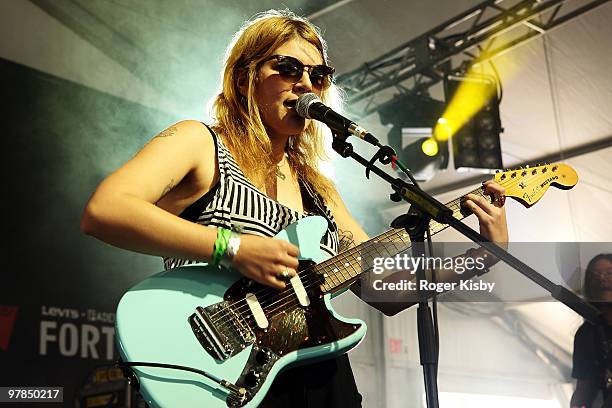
(266, 260)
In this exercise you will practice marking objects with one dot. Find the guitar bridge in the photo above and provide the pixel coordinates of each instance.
(220, 330)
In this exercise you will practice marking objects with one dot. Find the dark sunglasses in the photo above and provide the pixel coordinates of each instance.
(292, 68)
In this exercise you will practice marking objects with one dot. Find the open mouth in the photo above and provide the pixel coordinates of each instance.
(290, 103)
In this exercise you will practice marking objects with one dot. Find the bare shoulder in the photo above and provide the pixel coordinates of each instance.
(190, 133)
(187, 142)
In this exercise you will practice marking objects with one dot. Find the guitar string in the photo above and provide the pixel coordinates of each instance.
(359, 270)
(343, 279)
(309, 280)
(289, 303)
(454, 205)
(338, 257)
(291, 299)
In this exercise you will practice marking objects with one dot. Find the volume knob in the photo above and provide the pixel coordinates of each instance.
(262, 357)
(251, 379)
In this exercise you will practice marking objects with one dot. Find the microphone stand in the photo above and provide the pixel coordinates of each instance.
(416, 222)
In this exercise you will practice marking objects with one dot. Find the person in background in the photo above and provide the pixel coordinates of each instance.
(592, 359)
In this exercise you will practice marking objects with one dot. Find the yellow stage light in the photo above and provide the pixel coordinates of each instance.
(430, 147)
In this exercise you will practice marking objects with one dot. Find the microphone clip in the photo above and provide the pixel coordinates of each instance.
(340, 145)
(384, 154)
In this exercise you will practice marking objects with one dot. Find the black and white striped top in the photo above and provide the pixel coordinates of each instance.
(235, 203)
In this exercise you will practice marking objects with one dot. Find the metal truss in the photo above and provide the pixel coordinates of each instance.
(480, 33)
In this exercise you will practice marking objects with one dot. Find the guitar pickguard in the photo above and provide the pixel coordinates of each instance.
(294, 327)
(290, 329)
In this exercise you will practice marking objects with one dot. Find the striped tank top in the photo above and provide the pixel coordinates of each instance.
(235, 203)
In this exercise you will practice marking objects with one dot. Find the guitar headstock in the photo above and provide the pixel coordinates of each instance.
(529, 184)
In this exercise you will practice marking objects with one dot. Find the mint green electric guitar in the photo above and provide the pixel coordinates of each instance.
(235, 335)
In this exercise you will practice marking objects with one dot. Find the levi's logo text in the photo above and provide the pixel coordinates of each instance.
(72, 332)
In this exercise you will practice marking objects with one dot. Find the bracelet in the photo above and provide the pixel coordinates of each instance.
(233, 245)
(223, 236)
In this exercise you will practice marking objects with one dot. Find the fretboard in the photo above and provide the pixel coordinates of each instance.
(344, 269)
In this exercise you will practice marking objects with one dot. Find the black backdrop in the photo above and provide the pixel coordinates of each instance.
(59, 287)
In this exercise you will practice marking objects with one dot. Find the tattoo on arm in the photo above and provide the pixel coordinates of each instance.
(171, 131)
(346, 240)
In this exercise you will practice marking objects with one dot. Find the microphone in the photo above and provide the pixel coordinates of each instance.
(310, 106)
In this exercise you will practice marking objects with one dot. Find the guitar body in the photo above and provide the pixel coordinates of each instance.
(197, 316)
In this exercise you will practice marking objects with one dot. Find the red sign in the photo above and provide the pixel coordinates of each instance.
(7, 320)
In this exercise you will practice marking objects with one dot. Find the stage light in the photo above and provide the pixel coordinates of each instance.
(472, 120)
(430, 147)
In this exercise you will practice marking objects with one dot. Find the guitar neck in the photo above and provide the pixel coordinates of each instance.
(344, 269)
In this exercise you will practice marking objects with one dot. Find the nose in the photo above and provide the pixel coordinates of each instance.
(304, 85)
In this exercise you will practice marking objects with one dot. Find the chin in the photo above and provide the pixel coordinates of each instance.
(293, 126)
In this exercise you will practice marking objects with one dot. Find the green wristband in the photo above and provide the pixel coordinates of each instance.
(223, 236)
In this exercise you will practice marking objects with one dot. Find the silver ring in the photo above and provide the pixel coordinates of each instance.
(500, 199)
(285, 274)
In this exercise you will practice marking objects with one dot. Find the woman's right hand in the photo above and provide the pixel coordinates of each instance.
(265, 260)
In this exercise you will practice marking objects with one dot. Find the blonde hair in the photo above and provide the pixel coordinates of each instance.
(237, 117)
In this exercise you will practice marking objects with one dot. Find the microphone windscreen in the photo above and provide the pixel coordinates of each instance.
(303, 102)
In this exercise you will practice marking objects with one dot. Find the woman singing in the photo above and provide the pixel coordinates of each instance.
(244, 178)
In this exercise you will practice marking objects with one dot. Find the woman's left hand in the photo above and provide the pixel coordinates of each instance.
(491, 216)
